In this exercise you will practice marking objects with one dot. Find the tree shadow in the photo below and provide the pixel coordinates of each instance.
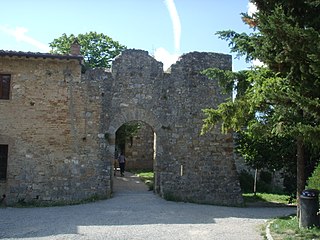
(132, 206)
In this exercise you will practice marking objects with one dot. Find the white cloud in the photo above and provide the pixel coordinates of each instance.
(252, 8)
(257, 63)
(162, 54)
(175, 23)
(165, 57)
(19, 33)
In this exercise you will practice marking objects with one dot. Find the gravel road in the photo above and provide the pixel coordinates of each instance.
(135, 213)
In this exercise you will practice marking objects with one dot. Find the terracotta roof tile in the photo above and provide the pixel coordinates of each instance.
(39, 55)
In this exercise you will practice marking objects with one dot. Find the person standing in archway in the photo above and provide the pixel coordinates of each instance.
(122, 163)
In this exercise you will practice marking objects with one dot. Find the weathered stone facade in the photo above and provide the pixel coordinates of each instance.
(60, 127)
(139, 149)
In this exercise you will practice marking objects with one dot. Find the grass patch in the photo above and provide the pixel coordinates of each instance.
(147, 178)
(287, 228)
(268, 198)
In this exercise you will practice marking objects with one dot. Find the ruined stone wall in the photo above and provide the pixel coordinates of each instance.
(187, 166)
(198, 168)
(61, 127)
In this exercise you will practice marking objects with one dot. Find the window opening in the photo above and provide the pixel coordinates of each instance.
(5, 86)
(3, 161)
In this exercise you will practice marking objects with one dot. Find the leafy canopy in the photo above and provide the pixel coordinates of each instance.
(281, 99)
(97, 49)
(289, 82)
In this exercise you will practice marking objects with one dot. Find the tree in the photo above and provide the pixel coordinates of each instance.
(97, 49)
(282, 96)
(125, 132)
(314, 180)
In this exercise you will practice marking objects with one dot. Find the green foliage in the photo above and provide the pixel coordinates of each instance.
(266, 177)
(263, 150)
(147, 178)
(314, 180)
(125, 132)
(287, 85)
(277, 107)
(288, 228)
(246, 182)
(97, 49)
(146, 175)
(241, 43)
(266, 198)
(264, 184)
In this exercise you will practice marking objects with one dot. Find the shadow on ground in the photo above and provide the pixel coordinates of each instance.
(131, 205)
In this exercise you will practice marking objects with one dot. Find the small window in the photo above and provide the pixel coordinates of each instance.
(3, 161)
(5, 86)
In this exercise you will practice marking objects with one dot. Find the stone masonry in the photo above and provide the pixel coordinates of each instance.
(139, 150)
(60, 127)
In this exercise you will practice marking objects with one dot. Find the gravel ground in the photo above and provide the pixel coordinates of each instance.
(135, 213)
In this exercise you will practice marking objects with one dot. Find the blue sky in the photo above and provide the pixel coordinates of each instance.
(165, 28)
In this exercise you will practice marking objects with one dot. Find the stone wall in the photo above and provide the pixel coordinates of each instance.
(139, 150)
(44, 124)
(187, 166)
(61, 127)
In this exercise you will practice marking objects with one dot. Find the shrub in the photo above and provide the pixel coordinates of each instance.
(314, 180)
(246, 181)
(266, 177)
(264, 183)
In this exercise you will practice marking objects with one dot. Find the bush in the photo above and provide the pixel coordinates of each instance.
(264, 187)
(266, 177)
(246, 182)
(314, 180)
(264, 183)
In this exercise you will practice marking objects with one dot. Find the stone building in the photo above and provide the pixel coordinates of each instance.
(58, 126)
(139, 149)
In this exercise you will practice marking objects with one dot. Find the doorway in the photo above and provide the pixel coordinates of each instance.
(136, 140)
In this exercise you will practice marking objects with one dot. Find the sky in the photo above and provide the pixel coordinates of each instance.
(165, 28)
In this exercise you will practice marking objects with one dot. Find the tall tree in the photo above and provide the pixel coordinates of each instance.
(97, 49)
(283, 96)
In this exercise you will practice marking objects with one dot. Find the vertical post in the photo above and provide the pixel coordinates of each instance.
(156, 176)
(181, 170)
(255, 182)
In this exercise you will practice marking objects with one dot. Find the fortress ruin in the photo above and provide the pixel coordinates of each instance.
(58, 126)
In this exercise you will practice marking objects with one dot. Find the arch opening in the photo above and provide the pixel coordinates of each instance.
(137, 141)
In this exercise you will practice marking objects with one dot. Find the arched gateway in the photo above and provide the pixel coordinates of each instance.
(92, 106)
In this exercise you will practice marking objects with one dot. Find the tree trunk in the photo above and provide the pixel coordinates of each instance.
(301, 179)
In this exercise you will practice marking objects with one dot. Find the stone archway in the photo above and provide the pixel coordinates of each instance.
(78, 145)
(188, 166)
(132, 115)
(136, 140)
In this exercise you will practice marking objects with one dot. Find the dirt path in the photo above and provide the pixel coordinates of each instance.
(130, 183)
(136, 213)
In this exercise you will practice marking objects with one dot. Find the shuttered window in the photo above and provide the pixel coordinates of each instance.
(3, 161)
(5, 86)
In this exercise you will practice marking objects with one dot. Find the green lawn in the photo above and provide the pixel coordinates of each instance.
(147, 178)
(268, 198)
(287, 228)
